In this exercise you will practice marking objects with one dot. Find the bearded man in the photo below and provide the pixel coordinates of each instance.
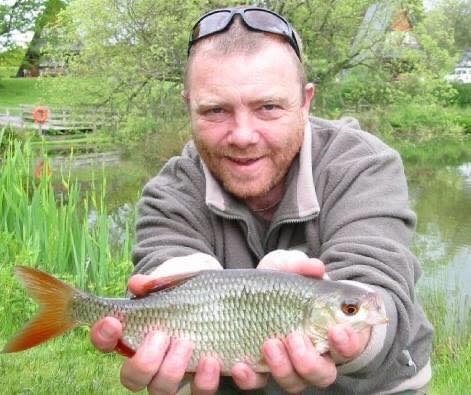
(264, 185)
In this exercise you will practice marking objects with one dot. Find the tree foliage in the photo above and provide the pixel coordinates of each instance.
(46, 17)
(18, 17)
(457, 18)
(136, 53)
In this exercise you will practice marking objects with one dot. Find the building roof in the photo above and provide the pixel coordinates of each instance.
(386, 30)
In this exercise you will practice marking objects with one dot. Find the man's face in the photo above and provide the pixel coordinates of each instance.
(248, 116)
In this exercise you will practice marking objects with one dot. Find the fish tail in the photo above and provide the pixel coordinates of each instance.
(53, 317)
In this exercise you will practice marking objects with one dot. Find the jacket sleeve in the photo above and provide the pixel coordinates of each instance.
(172, 220)
(366, 228)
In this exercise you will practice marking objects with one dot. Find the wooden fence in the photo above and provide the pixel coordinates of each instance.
(60, 120)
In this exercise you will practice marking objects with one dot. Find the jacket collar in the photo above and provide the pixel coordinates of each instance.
(300, 199)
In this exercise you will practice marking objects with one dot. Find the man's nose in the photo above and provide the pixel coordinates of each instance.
(243, 132)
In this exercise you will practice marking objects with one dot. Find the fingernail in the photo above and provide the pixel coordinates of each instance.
(275, 351)
(243, 373)
(208, 368)
(106, 333)
(297, 344)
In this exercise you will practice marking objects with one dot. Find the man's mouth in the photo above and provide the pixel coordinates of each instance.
(243, 165)
(244, 161)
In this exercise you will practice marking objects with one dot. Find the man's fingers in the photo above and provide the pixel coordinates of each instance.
(138, 371)
(106, 333)
(281, 367)
(346, 343)
(246, 378)
(172, 369)
(206, 380)
(138, 284)
(294, 262)
(313, 368)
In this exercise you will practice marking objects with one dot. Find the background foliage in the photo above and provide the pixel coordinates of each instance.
(134, 57)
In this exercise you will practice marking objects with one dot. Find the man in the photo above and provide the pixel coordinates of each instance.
(264, 185)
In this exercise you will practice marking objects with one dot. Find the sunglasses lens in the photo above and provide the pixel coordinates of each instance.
(257, 19)
(265, 21)
(211, 23)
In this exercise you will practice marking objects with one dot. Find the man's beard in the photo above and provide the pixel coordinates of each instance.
(243, 186)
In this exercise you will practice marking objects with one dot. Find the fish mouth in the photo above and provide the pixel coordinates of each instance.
(376, 310)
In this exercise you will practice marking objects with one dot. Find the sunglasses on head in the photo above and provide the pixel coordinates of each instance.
(254, 18)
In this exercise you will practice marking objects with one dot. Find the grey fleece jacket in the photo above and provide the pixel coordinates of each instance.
(346, 203)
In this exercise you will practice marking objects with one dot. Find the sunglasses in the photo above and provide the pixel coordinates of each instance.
(254, 18)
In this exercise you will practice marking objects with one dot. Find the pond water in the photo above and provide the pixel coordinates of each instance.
(440, 195)
(441, 198)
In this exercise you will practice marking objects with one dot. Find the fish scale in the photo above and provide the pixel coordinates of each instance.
(227, 314)
(224, 316)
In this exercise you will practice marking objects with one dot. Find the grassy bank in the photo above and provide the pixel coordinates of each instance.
(56, 223)
(423, 134)
(451, 357)
(44, 91)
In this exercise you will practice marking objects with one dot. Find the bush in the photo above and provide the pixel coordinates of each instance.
(463, 98)
(417, 123)
(363, 90)
(422, 123)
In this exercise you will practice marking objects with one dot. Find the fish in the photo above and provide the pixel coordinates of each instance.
(227, 314)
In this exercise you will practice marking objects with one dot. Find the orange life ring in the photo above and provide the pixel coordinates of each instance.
(40, 114)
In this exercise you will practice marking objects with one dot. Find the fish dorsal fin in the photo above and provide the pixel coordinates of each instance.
(167, 282)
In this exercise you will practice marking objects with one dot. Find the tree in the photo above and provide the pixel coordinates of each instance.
(47, 16)
(139, 42)
(136, 54)
(17, 17)
(457, 15)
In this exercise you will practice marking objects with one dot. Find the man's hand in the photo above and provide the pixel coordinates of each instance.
(159, 364)
(294, 363)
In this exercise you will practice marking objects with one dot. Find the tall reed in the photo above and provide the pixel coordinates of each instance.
(50, 217)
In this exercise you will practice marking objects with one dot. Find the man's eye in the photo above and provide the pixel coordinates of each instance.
(269, 107)
(215, 110)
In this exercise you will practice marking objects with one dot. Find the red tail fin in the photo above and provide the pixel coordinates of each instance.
(53, 317)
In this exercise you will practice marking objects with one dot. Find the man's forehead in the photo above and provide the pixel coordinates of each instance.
(255, 67)
(278, 51)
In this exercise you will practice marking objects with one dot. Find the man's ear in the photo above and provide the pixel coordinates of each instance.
(309, 93)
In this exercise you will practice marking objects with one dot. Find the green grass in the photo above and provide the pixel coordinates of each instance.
(50, 218)
(69, 364)
(437, 151)
(7, 71)
(50, 91)
(16, 91)
(40, 228)
(451, 355)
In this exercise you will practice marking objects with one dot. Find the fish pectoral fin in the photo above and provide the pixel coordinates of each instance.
(161, 283)
(123, 349)
(262, 366)
(321, 346)
(320, 343)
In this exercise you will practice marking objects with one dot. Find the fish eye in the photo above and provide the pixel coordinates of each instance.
(349, 308)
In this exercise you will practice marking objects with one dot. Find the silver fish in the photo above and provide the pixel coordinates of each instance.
(227, 314)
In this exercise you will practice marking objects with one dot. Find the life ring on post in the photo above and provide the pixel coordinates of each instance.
(40, 114)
